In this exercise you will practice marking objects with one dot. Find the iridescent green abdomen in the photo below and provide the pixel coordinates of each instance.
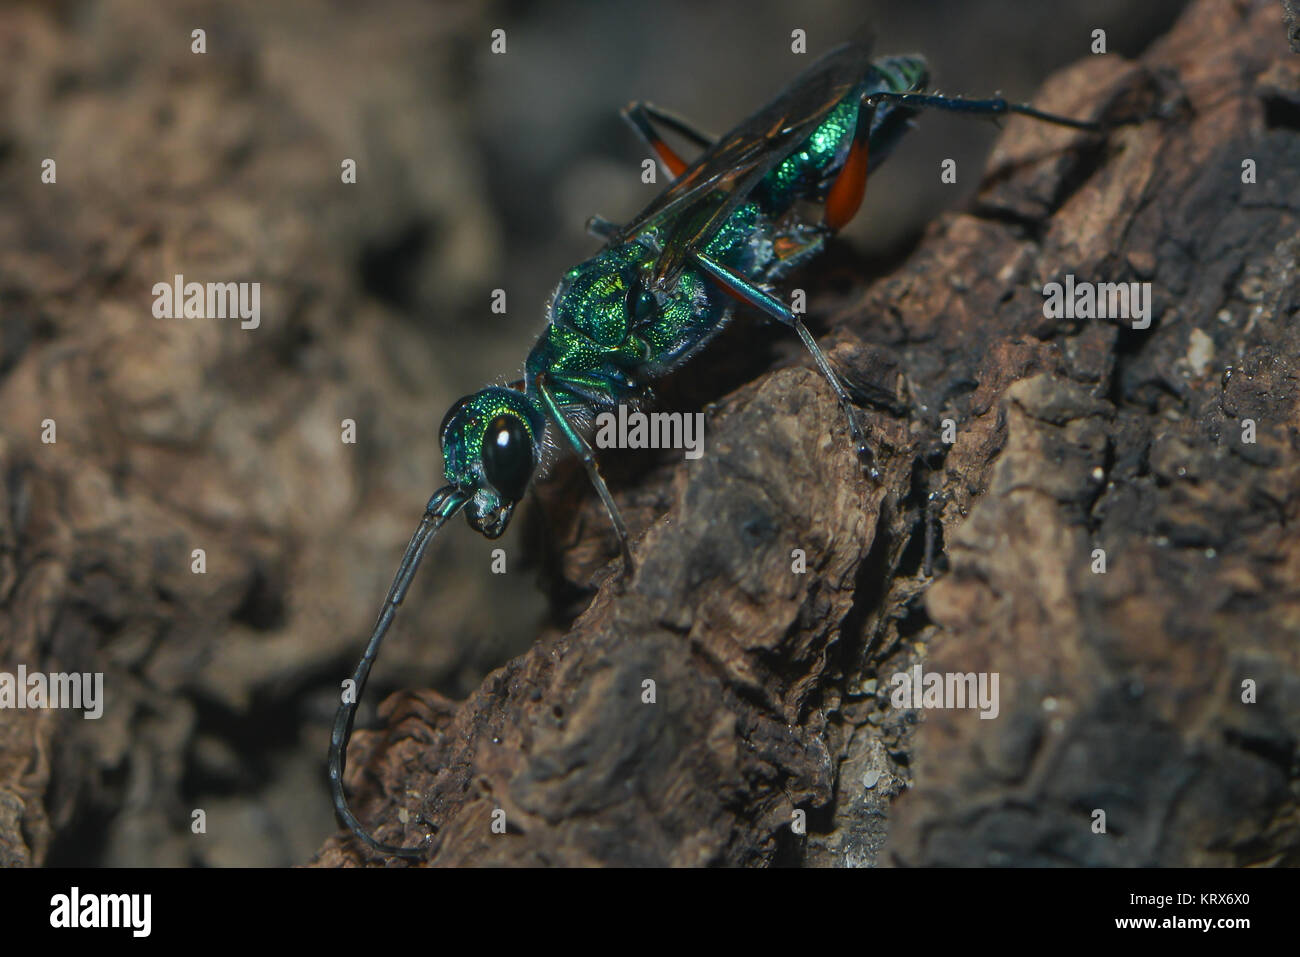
(807, 172)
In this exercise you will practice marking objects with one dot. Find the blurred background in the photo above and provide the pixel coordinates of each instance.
(475, 171)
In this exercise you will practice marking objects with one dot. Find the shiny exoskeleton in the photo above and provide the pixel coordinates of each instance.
(756, 204)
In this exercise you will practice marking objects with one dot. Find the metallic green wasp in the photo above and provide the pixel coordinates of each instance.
(733, 223)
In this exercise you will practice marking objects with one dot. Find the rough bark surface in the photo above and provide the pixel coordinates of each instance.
(1120, 691)
(174, 435)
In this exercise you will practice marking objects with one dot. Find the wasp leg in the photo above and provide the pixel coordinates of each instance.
(995, 106)
(744, 289)
(602, 228)
(580, 446)
(845, 195)
(676, 123)
(641, 116)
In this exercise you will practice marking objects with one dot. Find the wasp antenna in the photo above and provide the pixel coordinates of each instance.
(445, 503)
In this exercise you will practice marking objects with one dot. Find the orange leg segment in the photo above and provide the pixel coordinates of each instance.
(672, 162)
(846, 192)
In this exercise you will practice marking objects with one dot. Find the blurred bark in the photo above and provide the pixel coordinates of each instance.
(174, 435)
(1120, 691)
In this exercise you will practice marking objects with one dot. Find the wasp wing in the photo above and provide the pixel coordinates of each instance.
(741, 158)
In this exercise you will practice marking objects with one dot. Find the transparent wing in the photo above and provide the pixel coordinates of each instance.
(741, 158)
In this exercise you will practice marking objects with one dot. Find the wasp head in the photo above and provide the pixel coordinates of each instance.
(491, 445)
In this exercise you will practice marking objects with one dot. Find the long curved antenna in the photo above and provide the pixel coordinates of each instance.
(445, 503)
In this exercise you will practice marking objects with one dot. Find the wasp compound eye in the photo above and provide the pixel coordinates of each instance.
(508, 456)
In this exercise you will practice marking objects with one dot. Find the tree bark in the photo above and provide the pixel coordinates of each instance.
(1018, 444)
(690, 713)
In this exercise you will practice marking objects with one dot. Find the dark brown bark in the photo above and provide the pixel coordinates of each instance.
(1120, 691)
(1292, 16)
